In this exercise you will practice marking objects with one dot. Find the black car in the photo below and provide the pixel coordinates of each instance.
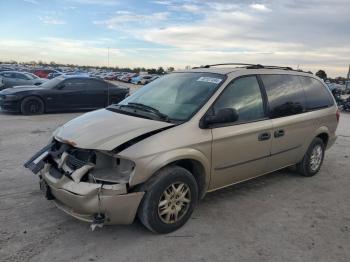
(63, 93)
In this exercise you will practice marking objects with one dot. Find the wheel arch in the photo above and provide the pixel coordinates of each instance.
(33, 95)
(192, 160)
(323, 133)
(197, 170)
(325, 137)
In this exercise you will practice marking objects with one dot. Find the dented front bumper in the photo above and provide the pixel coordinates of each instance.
(84, 200)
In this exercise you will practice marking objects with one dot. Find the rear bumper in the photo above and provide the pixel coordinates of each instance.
(84, 200)
(331, 141)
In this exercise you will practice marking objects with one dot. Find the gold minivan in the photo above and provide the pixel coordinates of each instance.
(160, 150)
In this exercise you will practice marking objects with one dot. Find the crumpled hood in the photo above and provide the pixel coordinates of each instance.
(105, 130)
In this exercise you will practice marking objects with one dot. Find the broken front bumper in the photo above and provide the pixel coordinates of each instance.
(85, 200)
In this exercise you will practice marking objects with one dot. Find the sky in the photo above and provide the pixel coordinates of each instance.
(309, 34)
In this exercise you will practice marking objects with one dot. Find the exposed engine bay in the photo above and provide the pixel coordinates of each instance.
(81, 165)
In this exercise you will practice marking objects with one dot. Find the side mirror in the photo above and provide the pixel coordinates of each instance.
(225, 115)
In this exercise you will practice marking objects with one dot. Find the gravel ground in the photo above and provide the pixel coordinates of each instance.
(278, 217)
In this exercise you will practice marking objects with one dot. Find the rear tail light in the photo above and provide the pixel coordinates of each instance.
(337, 115)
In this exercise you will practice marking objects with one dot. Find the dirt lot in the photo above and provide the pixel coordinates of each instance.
(279, 217)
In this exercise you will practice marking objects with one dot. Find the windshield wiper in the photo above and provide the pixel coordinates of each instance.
(148, 109)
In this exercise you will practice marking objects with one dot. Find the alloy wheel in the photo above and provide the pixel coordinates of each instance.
(174, 203)
(316, 157)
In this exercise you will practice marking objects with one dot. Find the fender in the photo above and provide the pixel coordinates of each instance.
(317, 132)
(152, 165)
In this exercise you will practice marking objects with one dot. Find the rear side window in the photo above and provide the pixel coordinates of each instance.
(75, 84)
(316, 94)
(285, 95)
(96, 85)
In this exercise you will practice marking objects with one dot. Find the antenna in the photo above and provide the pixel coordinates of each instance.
(348, 77)
(107, 81)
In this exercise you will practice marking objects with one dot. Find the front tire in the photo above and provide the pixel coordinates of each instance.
(313, 159)
(32, 106)
(169, 200)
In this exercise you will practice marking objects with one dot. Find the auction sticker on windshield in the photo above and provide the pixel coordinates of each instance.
(209, 79)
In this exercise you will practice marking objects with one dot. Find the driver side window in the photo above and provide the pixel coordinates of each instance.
(243, 95)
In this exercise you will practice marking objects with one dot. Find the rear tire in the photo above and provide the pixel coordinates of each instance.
(169, 200)
(313, 158)
(32, 106)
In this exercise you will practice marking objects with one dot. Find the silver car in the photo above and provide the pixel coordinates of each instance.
(14, 78)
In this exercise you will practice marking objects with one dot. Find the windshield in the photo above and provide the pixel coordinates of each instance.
(52, 82)
(177, 95)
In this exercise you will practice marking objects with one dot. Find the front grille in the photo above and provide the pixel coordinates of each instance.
(76, 158)
(75, 163)
(80, 157)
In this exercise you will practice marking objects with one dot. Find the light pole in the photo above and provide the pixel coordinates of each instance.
(347, 80)
(107, 81)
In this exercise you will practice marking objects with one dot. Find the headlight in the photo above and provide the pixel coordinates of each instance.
(110, 169)
(11, 97)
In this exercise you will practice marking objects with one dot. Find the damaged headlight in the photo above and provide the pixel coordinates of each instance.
(110, 169)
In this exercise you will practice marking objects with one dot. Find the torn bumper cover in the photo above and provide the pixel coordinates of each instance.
(68, 182)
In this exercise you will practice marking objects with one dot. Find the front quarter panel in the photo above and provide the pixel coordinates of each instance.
(186, 141)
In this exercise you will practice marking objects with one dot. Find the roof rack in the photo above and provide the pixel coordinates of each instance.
(254, 66)
(208, 66)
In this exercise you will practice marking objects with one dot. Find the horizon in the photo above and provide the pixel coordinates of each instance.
(308, 35)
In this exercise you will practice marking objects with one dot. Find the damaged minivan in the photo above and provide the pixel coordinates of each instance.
(159, 151)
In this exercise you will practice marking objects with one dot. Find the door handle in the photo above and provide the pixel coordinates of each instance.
(264, 136)
(279, 133)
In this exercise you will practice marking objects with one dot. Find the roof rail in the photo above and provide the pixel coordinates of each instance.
(254, 66)
(208, 66)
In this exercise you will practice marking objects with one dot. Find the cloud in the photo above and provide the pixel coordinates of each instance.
(34, 2)
(51, 21)
(126, 19)
(60, 50)
(295, 33)
(190, 8)
(259, 7)
(97, 2)
(309, 33)
(160, 2)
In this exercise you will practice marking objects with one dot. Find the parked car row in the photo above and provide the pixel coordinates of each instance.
(50, 73)
(143, 79)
